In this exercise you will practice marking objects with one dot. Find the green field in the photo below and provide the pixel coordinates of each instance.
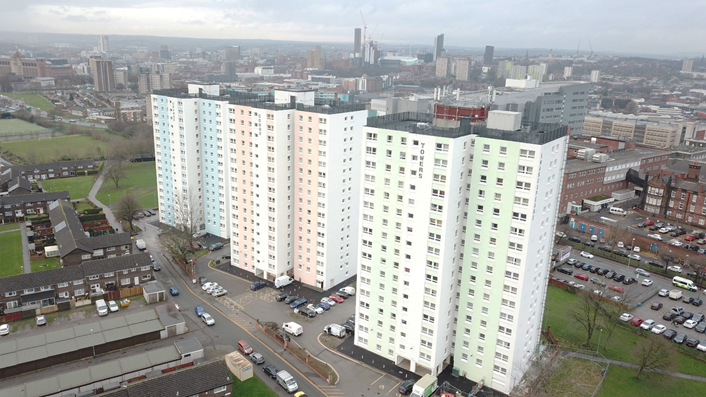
(251, 387)
(141, 182)
(45, 150)
(9, 226)
(34, 100)
(9, 127)
(45, 264)
(620, 381)
(12, 262)
(77, 186)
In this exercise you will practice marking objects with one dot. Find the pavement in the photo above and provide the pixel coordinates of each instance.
(112, 220)
(629, 365)
(25, 249)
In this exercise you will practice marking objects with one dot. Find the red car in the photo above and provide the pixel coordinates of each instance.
(689, 237)
(616, 288)
(581, 276)
(636, 321)
(649, 222)
(336, 298)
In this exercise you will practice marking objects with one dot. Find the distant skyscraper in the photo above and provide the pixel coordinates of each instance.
(595, 76)
(488, 56)
(536, 71)
(463, 67)
(687, 65)
(164, 52)
(438, 46)
(102, 72)
(504, 69)
(442, 67)
(230, 70)
(232, 53)
(103, 44)
(518, 72)
(313, 58)
(357, 49)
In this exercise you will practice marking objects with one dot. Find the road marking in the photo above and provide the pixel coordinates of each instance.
(167, 281)
(395, 387)
(376, 380)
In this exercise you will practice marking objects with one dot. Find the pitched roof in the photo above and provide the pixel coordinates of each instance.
(19, 183)
(34, 198)
(40, 279)
(105, 241)
(116, 263)
(57, 165)
(189, 381)
(67, 227)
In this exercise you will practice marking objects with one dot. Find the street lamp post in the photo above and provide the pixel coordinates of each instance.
(599, 341)
(93, 343)
(110, 202)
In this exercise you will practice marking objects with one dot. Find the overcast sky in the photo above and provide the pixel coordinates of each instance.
(647, 26)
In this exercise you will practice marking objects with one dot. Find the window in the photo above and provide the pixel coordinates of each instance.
(220, 389)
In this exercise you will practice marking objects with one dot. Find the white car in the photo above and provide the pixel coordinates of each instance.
(579, 286)
(701, 347)
(620, 244)
(647, 282)
(220, 291)
(642, 272)
(207, 285)
(113, 306)
(655, 236)
(206, 318)
(330, 301)
(690, 324)
(571, 261)
(663, 230)
(617, 298)
(5, 329)
(658, 329)
(663, 292)
(561, 234)
(626, 317)
(676, 243)
(634, 256)
(674, 268)
(318, 310)
(586, 254)
(647, 325)
(598, 292)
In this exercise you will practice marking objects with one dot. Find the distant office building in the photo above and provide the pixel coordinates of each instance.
(230, 70)
(537, 72)
(655, 131)
(35, 67)
(313, 58)
(488, 56)
(103, 44)
(463, 68)
(232, 53)
(442, 67)
(148, 82)
(595, 76)
(102, 72)
(121, 76)
(357, 41)
(371, 54)
(687, 65)
(438, 46)
(568, 71)
(164, 52)
(504, 69)
(518, 72)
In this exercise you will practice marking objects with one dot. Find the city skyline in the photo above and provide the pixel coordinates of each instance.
(648, 30)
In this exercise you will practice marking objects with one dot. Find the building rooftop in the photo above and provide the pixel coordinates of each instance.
(636, 154)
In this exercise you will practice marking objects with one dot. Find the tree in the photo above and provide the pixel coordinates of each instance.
(616, 235)
(655, 354)
(179, 237)
(585, 312)
(127, 207)
(606, 103)
(116, 173)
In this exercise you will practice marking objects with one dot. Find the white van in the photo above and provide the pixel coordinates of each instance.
(617, 211)
(335, 330)
(293, 328)
(349, 290)
(101, 307)
(287, 381)
(282, 281)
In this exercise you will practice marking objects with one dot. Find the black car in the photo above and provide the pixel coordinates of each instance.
(406, 387)
(270, 370)
(226, 256)
(350, 330)
(694, 247)
(687, 315)
(152, 212)
(700, 327)
(642, 225)
(692, 342)
(602, 272)
(202, 280)
(565, 271)
(656, 306)
(654, 227)
(575, 239)
(697, 302)
(146, 213)
(621, 253)
(290, 299)
(605, 248)
(655, 264)
(579, 265)
(669, 316)
(669, 334)
(698, 317)
(679, 320)
(680, 338)
(343, 294)
(215, 247)
(155, 267)
(307, 312)
(589, 243)
(629, 281)
(257, 285)
(594, 269)
(618, 277)
(281, 297)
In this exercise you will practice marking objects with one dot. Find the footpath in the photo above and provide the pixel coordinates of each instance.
(629, 365)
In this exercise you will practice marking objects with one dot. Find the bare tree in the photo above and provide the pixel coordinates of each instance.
(179, 238)
(585, 312)
(697, 266)
(617, 235)
(116, 173)
(127, 207)
(654, 353)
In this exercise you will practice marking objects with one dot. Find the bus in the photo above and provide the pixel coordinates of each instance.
(684, 283)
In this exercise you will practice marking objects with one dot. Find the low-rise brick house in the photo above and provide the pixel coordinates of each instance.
(15, 207)
(59, 285)
(681, 197)
(203, 380)
(59, 169)
(14, 184)
(75, 246)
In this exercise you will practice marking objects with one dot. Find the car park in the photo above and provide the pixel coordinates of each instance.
(647, 325)
(586, 254)
(626, 317)
(690, 324)
(647, 282)
(270, 370)
(173, 291)
(565, 270)
(206, 318)
(656, 305)
(679, 338)
(579, 276)
(669, 334)
(258, 285)
(257, 358)
(658, 329)
(663, 292)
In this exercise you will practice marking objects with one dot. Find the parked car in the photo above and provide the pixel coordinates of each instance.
(343, 294)
(669, 316)
(679, 319)
(680, 338)
(678, 310)
(699, 317)
(565, 270)
(642, 272)
(338, 299)
(4, 329)
(647, 324)
(290, 299)
(669, 334)
(226, 256)
(41, 320)
(305, 311)
(594, 269)
(603, 272)
(616, 288)
(618, 277)
(655, 236)
(581, 276)
(258, 285)
(113, 306)
(635, 257)
(626, 317)
(629, 281)
(220, 291)
(325, 306)
(647, 282)
(596, 280)
(697, 302)
(656, 264)
(406, 387)
(173, 291)
(281, 297)
(658, 329)
(688, 315)
(687, 299)
(575, 239)
(318, 310)
(297, 303)
(663, 292)
(199, 310)
(656, 306)
(215, 246)
(689, 237)
(692, 342)
(328, 301)
(257, 358)
(610, 274)
(586, 254)
(244, 347)
(270, 370)
(701, 327)
(571, 261)
(636, 321)
(690, 324)
(206, 318)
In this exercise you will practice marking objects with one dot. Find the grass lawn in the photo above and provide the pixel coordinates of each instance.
(34, 100)
(140, 181)
(45, 264)
(78, 186)
(52, 149)
(620, 381)
(620, 346)
(82, 206)
(252, 387)
(12, 262)
(9, 226)
(12, 127)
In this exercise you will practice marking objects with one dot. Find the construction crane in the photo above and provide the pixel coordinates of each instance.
(365, 25)
(590, 45)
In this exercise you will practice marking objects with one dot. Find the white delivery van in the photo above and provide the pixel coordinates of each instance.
(335, 330)
(293, 328)
(282, 281)
(287, 381)
(349, 290)
(675, 294)
(141, 245)
(617, 211)
(101, 307)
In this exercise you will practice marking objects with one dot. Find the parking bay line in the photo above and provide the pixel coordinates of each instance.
(376, 380)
